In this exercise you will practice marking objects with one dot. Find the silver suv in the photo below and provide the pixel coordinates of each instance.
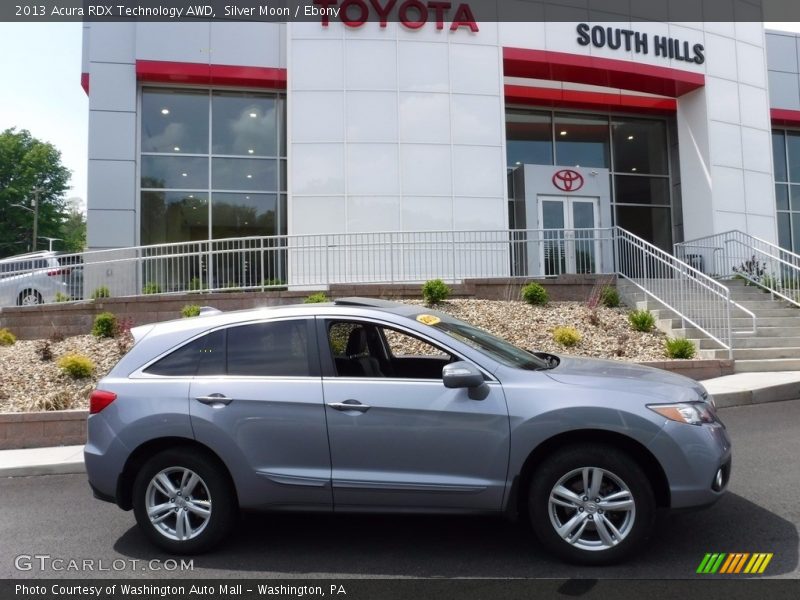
(368, 405)
(35, 278)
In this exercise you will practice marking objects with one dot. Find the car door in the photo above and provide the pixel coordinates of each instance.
(404, 442)
(265, 413)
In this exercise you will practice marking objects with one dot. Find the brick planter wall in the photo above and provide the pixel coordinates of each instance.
(76, 318)
(42, 429)
(695, 369)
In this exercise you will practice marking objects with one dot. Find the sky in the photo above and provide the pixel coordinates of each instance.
(41, 92)
(40, 72)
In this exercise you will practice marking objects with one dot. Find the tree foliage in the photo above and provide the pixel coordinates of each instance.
(27, 163)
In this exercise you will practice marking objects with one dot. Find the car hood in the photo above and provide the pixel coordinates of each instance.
(626, 377)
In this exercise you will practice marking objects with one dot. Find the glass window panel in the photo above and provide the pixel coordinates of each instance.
(779, 155)
(203, 356)
(581, 140)
(793, 144)
(183, 173)
(284, 211)
(529, 138)
(175, 121)
(174, 217)
(244, 174)
(242, 215)
(552, 214)
(796, 232)
(244, 124)
(583, 215)
(281, 104)
(782, 196)
(794, 195)
(269, 349)
(640, 146)
(652, 224)
(784, 231)
(641, 190)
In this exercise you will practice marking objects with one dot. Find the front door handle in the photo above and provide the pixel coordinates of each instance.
(350, 405)
(215, 400)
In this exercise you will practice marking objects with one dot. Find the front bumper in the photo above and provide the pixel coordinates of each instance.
(692, 456)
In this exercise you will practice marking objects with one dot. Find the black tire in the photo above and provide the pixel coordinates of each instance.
(213, 491)
(33, 295)
(566, 467)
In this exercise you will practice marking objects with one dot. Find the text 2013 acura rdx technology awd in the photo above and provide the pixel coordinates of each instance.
(367, 405)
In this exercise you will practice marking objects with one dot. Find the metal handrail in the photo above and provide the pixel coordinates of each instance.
(738, 254)
(693, 296)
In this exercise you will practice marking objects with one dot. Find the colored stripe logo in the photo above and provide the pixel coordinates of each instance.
(734, 563)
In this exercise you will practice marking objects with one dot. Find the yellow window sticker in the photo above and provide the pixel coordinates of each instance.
(428, 319)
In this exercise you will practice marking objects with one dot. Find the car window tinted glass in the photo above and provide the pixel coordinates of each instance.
(495, 347)
(203, 356)
(401, 344)
(278, 348)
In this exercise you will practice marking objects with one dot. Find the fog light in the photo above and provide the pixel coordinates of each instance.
(718, 480)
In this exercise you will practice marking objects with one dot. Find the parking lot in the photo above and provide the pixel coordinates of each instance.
(56, 516)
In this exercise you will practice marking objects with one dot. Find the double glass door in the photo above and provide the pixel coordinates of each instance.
(569, 241)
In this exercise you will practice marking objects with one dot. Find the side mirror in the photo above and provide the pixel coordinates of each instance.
(462, 374)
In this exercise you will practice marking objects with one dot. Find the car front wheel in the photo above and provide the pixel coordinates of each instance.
(183, 502)
(591, 504)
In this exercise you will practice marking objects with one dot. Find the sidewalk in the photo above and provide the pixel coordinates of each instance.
(731, 390)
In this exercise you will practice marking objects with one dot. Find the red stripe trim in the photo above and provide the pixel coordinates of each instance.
(783, 116)
(85, 82)
(519, 94)
(577, 68)
(205, 74)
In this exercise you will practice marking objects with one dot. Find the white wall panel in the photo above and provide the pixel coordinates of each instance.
(179, 42)
(476, 120)
(112, 184)
(317, 169)
(432, 213)
(475, 69)
(112, 135)
(372, 116)
(246, 44)
(478, 171)
(113, 87)
(425, 170)
(424, 117)
(372, 169)
(113, 42)
(318, 116)
(423, 67)
(317, 214)
(371, 65)
(372, 213)
(317, 65)
(110, 228)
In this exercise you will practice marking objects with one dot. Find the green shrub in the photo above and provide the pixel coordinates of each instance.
(315, 298)
(435, 291)
(195, 284)
(567, 336)
(273, 282)
(534, 293)
(62, 297)
(105, 325)
(609, 297)
(76, 365)
(151, 287)
(101, 292)
(190, 310)
(6, 337)
(679, 348)
(642, 320)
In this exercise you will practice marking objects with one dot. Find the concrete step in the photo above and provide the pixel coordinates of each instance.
(776, 364)
(742, 343)
(753, 388)
(771, 332)
(768, 353)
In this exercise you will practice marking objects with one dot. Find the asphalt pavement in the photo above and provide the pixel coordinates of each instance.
(46, 521)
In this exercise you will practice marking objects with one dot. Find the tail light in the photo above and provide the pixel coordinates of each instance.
(56, 272)
(99, 400)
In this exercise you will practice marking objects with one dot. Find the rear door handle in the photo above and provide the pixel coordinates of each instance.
(215, 400)
(350, 405)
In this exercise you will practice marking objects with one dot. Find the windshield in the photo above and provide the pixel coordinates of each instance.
(483, 341)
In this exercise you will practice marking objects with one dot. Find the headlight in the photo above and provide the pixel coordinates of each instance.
(693, 413)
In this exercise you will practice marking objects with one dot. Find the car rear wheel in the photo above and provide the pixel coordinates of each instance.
(591, 504)
(29, 298)
(183, 502)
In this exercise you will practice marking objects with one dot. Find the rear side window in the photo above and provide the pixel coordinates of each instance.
(279, 348)
(203, 356)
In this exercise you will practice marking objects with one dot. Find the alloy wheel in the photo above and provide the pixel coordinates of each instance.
(178, 503)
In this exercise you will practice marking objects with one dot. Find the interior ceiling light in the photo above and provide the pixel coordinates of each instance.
(253, 115)
(633, 168)
(177, 148)
(630, 137)
(564, 132)
(184, 175)
(249, 176)
(164, 111)
(250, 151)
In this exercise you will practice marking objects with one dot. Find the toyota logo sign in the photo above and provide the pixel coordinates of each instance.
(568, 180)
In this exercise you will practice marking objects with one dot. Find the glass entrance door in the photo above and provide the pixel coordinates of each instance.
(569, 242)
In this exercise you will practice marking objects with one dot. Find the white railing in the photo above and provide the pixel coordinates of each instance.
(735, 254)
(696, 298)
(260, 263)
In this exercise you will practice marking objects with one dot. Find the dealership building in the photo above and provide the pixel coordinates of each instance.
(211, 130)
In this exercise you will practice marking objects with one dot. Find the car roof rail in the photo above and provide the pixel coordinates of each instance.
(372, 302)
